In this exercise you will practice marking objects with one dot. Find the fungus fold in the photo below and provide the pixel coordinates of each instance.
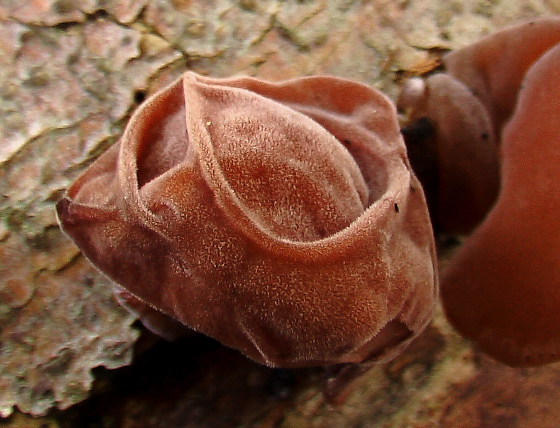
(263, 215)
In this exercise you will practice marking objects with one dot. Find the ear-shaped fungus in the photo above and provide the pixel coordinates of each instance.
(502, 288)
(282, 219)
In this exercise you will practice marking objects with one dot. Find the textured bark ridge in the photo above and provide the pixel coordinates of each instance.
(280, 218)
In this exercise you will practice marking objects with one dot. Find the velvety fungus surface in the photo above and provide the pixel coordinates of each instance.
(282, 219)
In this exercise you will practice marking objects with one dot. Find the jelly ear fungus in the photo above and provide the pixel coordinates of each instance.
(263, 215)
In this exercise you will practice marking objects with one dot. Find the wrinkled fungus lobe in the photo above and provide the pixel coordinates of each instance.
(502, 287)
(280, 218)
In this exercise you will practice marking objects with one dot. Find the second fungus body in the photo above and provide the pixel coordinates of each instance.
(496, 125)
(503, 286)
(282, 219)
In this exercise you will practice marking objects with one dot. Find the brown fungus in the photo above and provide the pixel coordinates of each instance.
(502, 287)
(263, 215)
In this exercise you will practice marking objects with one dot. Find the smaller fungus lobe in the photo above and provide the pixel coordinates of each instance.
(468, 107)
(237, 208)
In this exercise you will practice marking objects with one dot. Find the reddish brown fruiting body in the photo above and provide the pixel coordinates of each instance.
(263, 215)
